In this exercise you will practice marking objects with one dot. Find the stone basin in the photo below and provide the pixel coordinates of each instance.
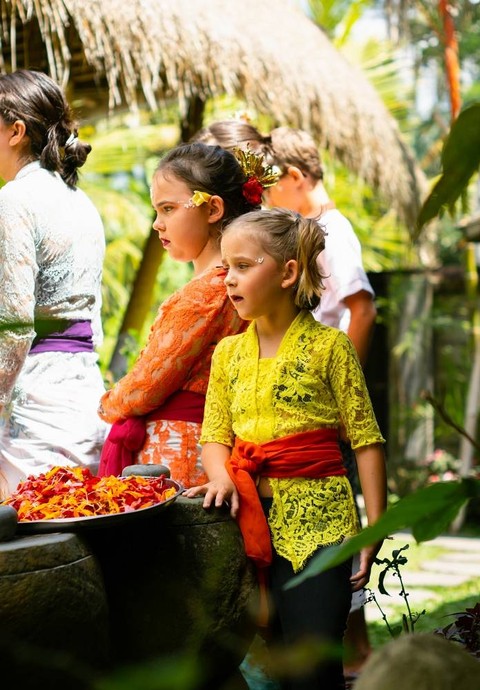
(53, 613)
(177, 582)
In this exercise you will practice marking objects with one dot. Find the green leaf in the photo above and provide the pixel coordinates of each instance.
(396, 631)
(181, 672)
(421, 511)
(438, 521)
(381, 582)
(460, 160)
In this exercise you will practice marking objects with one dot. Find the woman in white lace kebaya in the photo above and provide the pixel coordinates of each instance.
(52, 248)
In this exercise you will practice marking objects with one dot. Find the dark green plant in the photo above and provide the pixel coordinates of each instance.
(409, 619)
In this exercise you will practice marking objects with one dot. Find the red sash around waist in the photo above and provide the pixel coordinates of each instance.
(185, 406)
(310, 454)
(127, 436)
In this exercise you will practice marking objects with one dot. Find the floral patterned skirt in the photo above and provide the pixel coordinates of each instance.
(175, 444)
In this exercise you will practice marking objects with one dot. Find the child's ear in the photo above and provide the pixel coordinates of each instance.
(18, 132)
(216, 209)
(290, 273)
(295, 173)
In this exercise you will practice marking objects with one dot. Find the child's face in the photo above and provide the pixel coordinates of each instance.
(254, 278)
(183, 228)
(285, 194)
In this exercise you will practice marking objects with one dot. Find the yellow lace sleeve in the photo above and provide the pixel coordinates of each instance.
(351, 393)
(217, 421)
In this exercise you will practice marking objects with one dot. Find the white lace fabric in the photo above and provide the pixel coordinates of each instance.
(52, 247)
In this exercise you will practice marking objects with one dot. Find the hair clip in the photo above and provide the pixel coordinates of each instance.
(73, 137)
(199, 198)
(260, 260)
(196, 200)
(259, 175)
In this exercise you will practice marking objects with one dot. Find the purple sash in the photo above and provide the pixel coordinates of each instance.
(76, 337)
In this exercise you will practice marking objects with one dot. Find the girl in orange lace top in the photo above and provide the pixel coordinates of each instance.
(157, 408)
(277, 396)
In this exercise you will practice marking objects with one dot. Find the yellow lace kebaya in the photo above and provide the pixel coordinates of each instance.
(315, 381)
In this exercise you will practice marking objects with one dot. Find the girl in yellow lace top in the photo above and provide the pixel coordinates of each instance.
(276, 398)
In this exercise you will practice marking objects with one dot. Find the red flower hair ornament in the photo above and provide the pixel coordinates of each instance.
(259, 175)
(252, 190)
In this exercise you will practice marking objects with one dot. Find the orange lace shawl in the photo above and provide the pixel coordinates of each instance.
(179, 349)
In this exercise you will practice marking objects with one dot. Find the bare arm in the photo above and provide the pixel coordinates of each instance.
(219, 488)
(373, 480)
(362, 320)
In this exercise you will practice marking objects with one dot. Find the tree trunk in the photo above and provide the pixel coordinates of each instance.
(470, 421)
(191, 117)
(410, 373)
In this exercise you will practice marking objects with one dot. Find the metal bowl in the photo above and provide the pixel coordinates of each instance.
(96, 521)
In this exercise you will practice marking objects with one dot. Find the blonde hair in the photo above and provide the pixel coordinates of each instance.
(286, 235)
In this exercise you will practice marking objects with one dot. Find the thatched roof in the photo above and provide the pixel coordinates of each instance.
(267, 51)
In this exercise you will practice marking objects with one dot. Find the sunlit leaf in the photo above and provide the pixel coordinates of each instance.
(460, 160)
(419, 508)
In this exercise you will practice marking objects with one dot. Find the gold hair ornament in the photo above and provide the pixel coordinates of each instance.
(259, 175)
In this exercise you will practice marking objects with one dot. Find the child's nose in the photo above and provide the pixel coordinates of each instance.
(229, 280)
(158, 225)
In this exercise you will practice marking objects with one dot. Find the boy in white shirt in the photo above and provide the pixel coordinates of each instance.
(348, 300)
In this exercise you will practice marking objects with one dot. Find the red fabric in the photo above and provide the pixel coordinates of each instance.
(186, 406)
(126, 437)
(311, 454)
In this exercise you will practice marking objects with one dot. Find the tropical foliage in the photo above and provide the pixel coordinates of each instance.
(460, 161)
(427, 512)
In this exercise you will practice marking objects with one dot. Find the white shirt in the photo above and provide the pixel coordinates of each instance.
(341, 263)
